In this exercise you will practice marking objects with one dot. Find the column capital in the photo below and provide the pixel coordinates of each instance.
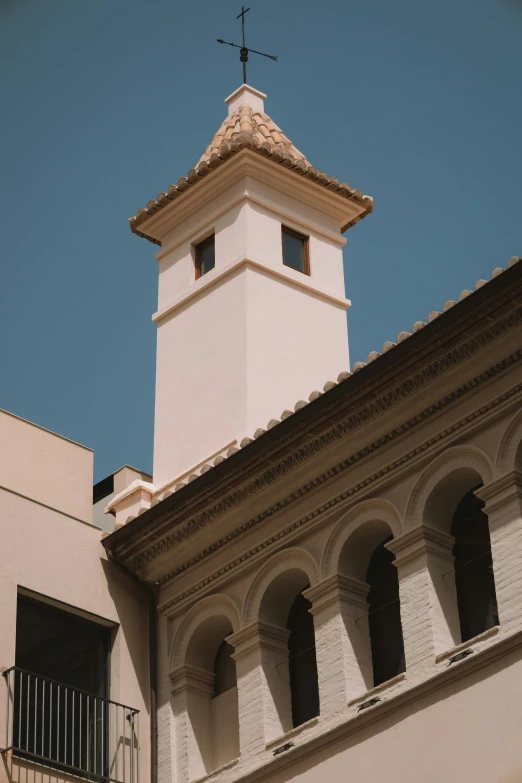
(501, 492)
(337, 587)
(259, 634)
(422, 540)
(192, 678)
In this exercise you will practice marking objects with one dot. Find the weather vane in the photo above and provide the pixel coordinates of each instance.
(243, 54)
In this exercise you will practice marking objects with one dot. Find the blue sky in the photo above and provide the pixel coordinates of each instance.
(106, 102)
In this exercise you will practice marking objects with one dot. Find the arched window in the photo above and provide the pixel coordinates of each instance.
(474, 579)
(208, 709)
(370, 608)
(384, 616)
(224, 708)
(288, 654)
(302, 664)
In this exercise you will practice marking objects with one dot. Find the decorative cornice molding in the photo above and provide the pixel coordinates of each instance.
(296, 524)
(364, 415)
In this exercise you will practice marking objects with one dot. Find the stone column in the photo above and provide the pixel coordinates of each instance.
(429, 612)
(192, 690)
(342, 641)
(261, 655)
(503, 499)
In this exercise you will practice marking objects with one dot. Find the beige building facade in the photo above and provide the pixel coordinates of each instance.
(322, 580)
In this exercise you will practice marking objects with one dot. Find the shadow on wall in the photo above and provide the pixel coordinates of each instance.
(409, 752)
(131, 605)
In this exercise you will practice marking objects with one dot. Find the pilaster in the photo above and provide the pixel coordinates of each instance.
(261, 655)
(342, 640)
(192, 689)
(503, 506)
(429, 612)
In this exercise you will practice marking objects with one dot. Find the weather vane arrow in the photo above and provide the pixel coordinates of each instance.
(243, 54)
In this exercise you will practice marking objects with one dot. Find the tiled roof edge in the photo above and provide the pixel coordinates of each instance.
(389, 345)
(227, 150)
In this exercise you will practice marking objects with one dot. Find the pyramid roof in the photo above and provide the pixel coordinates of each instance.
(248, 127)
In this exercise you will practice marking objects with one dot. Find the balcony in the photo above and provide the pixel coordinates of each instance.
(70, 730)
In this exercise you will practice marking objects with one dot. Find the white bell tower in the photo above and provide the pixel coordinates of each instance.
(252, 309)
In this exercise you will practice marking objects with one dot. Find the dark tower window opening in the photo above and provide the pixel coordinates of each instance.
(302, 664)
(474, 578)
(295, 250)
(205, 256)
(384, 616)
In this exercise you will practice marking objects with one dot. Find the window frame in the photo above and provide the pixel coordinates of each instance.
(198, 258)
(52, 608)
(305, 239)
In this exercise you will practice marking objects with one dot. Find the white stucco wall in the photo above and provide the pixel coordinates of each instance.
(250, 318)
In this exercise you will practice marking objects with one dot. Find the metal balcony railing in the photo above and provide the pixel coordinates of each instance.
(71, 730)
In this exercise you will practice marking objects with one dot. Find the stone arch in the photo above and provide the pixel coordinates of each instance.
(509, 455)
(208, 719)
(209, 609)
(375, 510)
(299, 566)
(444, 482)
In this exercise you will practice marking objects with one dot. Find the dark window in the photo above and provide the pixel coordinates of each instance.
(58, 653)
(302, 662)
(384, 616)
(295, 250)
(224, 669)
(474, 579)
(205, 256)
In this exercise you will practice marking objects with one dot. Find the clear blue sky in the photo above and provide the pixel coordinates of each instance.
(106, 102)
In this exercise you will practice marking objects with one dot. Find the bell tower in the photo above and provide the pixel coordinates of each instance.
(251, 306)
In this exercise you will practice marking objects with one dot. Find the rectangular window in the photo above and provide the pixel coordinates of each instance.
(205, 256)
(295, 250)
(60, 688)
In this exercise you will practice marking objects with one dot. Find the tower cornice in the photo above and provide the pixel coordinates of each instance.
(173, 211)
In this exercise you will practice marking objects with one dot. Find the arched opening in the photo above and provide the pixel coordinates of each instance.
(288, 654)
(211, 698)
(302, 663)
(224, 707)
(474, 578)
(384, 616)
(371, 607)
(462, 570)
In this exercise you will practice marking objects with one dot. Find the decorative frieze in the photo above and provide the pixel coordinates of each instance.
(319, 510)
(277, 470)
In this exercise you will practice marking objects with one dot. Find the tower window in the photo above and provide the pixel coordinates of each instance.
(205, 256)
(295, 250)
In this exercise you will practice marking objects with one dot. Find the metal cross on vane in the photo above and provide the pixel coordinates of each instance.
(243, 54)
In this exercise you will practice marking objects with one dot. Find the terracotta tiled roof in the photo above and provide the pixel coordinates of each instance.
(257, 126)
(247, 128)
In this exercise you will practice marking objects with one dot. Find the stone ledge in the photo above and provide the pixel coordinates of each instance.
(377, 689)
(222, 768)
(465, 645)
(292, 733)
